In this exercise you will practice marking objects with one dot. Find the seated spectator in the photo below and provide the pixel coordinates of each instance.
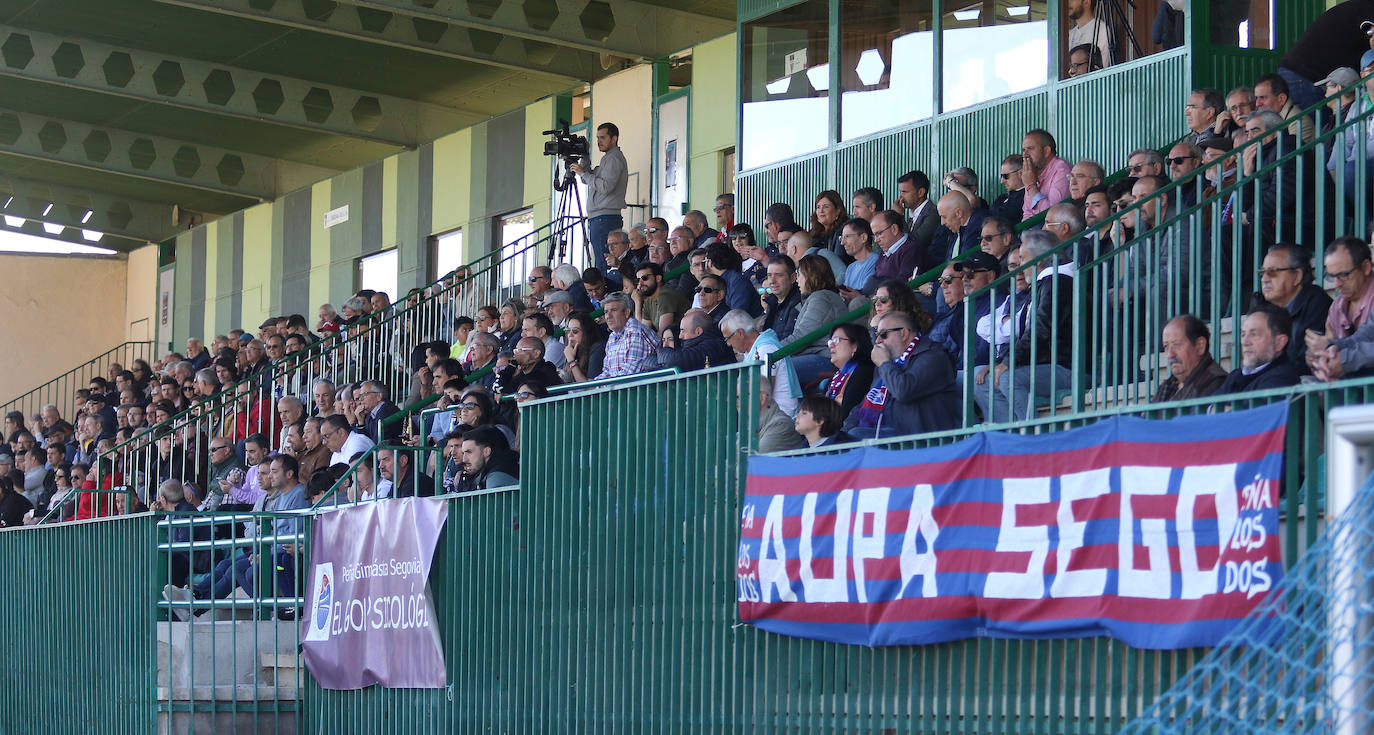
(1263, 348)
(540, 327)
(478, 408)
(528, 362)
(753, 259)
(244, 569)
(701, 346)
(750, 344)
(776, 432)
(171, 498)
(999, 239)
(343, 442)
(818, 422)
(960, 228)
(964, 180)
(976, 271)
(397, 466)
(1192, 371)
(1272, 93)
(452, 444)
(1044, 173)
(309, 449)
(656, 304)
(1204, 106)
(913, 387)
(799, 245)
(1183, 159)
(585, 353)
(820, 305)
(917, 221)
(1286, 282)
(723, 261)
(1008, 205)
(858, 279)
(508, 323)
(528, 390)
(484, 352)
(1083, 176)
(891, 296)
(826, 219)
(851, 353)
(1144, 162)
(779, 223)
(631, 344)
(488, 461)
(1084, 59)
(710, 297)
(292, 413)
(867, 202)
(1048, 333)
(1348, 268)
(680, 247)
(1356, 142)
(696, 220)
(901, 257)
(780, 298)
(13, 504)
(376, 403)
(568, 279)
(951, 287)
(1275, 210)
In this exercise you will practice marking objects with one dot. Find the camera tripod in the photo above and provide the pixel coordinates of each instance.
(570, 215)
(1113, 15)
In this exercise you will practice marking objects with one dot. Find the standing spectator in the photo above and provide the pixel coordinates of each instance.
(1264, 352)
(725, 213)
(1088, 29)
(605, 188)
(1044, 173)
(630, 343)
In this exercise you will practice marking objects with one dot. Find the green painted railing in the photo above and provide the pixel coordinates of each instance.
(79, 597)
(61, 390)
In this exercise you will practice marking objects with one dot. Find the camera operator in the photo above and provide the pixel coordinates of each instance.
(605, 189)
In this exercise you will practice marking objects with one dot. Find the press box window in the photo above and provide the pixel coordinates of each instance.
(993, 49)
(785, 80)
(886, 49)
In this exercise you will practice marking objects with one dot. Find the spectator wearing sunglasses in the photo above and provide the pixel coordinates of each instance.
(711, 297)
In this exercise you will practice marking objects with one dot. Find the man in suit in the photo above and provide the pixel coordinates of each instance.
(376, 399)
(961, 227)
(913, 191)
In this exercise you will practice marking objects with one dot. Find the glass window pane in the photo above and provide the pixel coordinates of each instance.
(448, 253)
(514, 231)
(378, 272)
(993, 48)
(886, 53)
(1242, 23)
(784, 82)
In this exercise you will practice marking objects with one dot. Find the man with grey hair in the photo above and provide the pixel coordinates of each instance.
(196, 353)
(376, 401)
(183, 371)
(1083, 176)
(1065, 221)
(965, 181)
(1144, 162)
(292, 413)
(354, 307)
(1276, 213)
(1045, 330)
(630, 343)
(701, 229)
(742, 334)
(323, 393)
(207, 382)
(617, 245)
(482, 352)
(566, 277)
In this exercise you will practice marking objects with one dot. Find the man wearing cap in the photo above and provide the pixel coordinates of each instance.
(1358, 140)
(558, 304)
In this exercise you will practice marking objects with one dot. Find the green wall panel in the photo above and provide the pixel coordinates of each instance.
(795, 183)
(881, 160)
(1107, 116)
(982, 136)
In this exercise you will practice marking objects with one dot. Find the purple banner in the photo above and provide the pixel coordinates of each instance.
(369, 618)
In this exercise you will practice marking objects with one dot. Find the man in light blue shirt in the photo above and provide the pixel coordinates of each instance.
(857, 238)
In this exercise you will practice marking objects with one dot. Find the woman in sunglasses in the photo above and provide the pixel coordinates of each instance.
(586, 349)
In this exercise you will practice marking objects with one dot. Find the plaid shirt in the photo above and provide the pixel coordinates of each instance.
(628, 349)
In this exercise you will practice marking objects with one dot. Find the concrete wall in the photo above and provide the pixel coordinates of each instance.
(60, 311)
(140, 294)
(626, 99)
(715, 87)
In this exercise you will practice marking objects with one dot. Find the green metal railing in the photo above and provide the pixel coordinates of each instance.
(1123, 293)
(374, 470)
(61, 390)
(376, 348)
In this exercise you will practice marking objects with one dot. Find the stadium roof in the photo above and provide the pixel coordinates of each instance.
(115, 112)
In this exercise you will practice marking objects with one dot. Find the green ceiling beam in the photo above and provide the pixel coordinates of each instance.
(152, 157)
(114, 215)
(414, 34)
(222, 90)
(620, 27)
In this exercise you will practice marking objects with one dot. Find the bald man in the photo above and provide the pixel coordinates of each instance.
(961, 227)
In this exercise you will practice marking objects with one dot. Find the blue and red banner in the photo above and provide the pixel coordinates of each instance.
(1161, 534)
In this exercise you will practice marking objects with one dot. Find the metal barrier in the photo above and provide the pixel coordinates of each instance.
(61, 390)
(372, 476)
(227, 641)
(378, 348)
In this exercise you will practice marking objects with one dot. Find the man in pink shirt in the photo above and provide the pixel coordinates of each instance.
(1044, 173)
(1348, 269)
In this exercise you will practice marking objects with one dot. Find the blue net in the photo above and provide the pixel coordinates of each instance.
(1301, 661)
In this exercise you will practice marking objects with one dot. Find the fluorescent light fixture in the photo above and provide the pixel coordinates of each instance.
(870, 67)
(46, 210)
(14, 221)
(968, 15)
(1018, 11)
(7, 202)
(92, 235)
(819, 76)
(87, 216)
(779, 86)
(15, 242)
(53, 229)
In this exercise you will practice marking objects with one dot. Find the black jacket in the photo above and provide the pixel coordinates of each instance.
(1049, 325)
(1309, 309)
(1279, 373)
(509, 379)
(781, 317)
(707, 349)
(381, 433)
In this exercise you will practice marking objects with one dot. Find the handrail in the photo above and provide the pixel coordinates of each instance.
(329, 344)
(69, 376)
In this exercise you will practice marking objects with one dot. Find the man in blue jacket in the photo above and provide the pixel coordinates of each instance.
(700, 345)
